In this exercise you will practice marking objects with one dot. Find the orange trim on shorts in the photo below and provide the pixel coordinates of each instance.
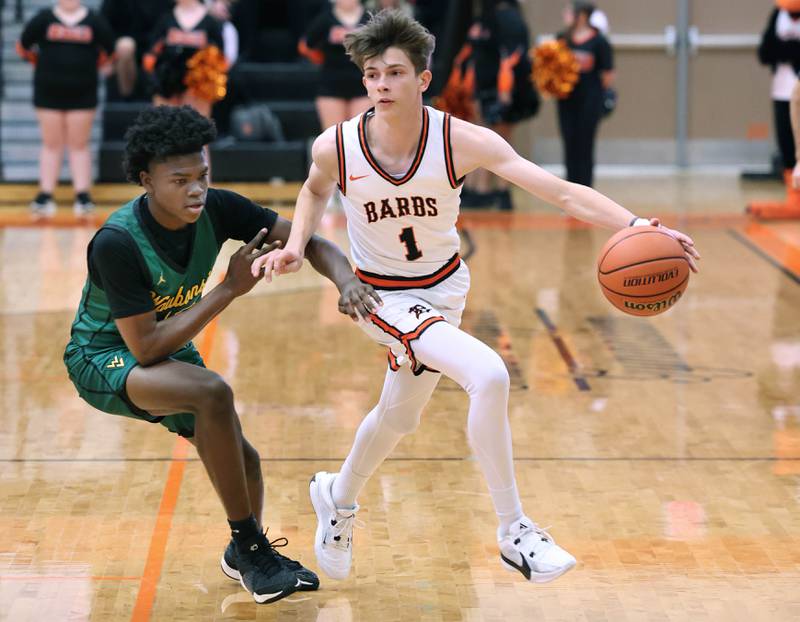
(405, 338)
(423, 140)
(385, 282)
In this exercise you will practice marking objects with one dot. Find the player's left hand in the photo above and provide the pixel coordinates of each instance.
(358, 299)
(692, 256)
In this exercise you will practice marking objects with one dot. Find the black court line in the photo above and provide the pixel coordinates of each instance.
(433, 459)
(563, 350)
(740, 238)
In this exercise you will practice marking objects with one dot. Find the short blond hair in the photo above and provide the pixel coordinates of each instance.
(391, 28)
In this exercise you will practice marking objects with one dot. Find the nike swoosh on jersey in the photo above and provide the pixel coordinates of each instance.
(357, 177)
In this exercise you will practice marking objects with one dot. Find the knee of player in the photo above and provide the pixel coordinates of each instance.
(402, 421)
(125, 48)
(214, 394)
(494, 375)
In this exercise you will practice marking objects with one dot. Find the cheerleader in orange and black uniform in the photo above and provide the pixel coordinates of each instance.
(341, 94)
(503, 87)
(178, 37)
(579, 114)
(67, 43)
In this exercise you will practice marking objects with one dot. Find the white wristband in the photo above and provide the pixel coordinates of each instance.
(640, 222)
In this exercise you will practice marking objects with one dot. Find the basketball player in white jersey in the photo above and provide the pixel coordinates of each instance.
(399, 168)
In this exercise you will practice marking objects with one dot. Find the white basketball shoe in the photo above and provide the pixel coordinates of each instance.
(333, 543)
(530, 550)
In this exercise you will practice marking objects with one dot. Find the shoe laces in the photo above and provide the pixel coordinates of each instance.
(341, 529)
(280, 543)
(264, 556)
(533, 539)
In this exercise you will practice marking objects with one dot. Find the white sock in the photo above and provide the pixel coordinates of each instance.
(508, 508)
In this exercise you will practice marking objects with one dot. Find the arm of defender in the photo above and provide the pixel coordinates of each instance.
(151, 341)
(356, 298)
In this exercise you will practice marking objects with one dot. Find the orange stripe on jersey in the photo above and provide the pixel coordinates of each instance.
(340, 156)
(423, 139)
(379, 281)
(393, 364)
(448, 155)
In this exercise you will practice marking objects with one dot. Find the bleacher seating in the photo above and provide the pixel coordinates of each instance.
(287, 88)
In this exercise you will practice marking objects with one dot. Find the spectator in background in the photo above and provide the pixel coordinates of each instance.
(221, 11)
(341, 94)
(177, 37)
(579, 114)
(503, 85)
(67, 44)
(375, 6)
(780, 50)
(133, 22)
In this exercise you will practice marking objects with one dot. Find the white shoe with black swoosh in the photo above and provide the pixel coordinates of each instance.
(333, 542)
(531, 551)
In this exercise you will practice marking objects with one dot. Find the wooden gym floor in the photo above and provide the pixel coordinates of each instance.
(664, 452)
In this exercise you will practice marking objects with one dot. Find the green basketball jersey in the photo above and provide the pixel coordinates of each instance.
(172, 288)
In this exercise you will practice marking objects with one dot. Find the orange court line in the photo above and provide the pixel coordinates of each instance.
(782, 251)
(48, 577)
(169, 499)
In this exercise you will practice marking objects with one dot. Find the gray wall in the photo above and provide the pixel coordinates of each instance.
(729, 107)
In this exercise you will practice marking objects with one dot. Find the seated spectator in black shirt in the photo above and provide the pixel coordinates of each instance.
(133, 22)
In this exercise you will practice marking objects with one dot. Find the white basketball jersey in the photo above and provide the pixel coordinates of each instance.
(401, 226)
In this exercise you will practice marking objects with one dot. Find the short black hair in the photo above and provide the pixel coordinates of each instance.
(161, 132)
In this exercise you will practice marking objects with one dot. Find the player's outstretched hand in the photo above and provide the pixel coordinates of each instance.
(279, 261)
(692, 256)
(239, 278)
(358, 300)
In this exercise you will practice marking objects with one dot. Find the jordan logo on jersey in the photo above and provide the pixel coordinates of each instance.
(418, 310)
(399, 207)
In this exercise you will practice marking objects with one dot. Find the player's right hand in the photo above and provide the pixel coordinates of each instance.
(239, 279)
(279, 261)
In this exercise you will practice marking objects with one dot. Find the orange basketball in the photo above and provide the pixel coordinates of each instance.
(643, 270)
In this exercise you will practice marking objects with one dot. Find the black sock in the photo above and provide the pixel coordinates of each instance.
(83, 197)
(244, 530)
(43, 197)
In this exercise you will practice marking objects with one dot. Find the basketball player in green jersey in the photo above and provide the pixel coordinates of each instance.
(130, 351)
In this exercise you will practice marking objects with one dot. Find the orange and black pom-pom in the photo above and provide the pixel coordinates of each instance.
(555, 68)
(207, 74)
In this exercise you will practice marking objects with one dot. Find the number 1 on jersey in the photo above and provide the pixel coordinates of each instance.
(412, 250)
